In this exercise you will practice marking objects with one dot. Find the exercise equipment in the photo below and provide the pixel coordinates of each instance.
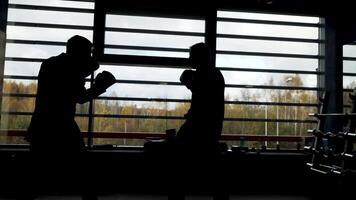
(333, 152)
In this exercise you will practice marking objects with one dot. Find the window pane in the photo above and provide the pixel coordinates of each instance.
(267, 46)
(22, 68)
(50, 17)
(262, 78)
(33, 51)
(135, 35)
(270, 17)
(264, 62)
(45, 34)
(155, 23)
(254, 29)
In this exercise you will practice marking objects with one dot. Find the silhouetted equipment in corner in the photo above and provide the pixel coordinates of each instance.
(334, 153)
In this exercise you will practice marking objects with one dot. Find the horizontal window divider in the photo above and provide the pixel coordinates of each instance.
(179, 84)
(272, 103)
(20, 77)
(226, 85)
(44, 25)
(12, 41)
(89, 1)
(145, 135)
(146, 48)
(244, 53)
(19, 95)
(271, 87)
(51, 8)
(161, 32)
(30, 114)
(16, 113)
(349, 74)
(149, 82)
(277, 39)
(348, 90)
(182, 66)
(349, 58)
(269, 70)
(269, 22)
(144, 99)
(112, 59)
(182, 118)
(270, 120)
(180, 100)
(138, 116)
(19, 59)
(28, 77)
(172, 117)
(188, 101)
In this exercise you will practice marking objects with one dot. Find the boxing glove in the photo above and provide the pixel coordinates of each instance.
(104, 80)
(187, 78)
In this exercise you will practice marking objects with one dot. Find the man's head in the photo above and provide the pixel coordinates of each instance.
(80, 49)
(79, 46)
(200, 56)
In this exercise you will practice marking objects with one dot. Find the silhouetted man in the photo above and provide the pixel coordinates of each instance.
(61, 85)
(55, 139)
(198, 137)
(204, 120)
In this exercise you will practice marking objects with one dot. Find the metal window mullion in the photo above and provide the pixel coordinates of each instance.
(210, 31)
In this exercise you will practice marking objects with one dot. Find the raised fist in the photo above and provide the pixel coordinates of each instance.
(104, 80)
(187, 78)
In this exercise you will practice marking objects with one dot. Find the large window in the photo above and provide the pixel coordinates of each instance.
(37, 30)
(268, 61)
(349, 72)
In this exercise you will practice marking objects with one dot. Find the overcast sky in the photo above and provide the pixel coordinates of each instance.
(170, 41)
